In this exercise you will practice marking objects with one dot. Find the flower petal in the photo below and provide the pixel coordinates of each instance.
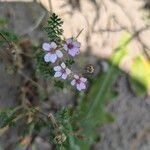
(76, 76)
(63, 65)
(57, 68)
(78, 87)
(53, 45)
(47, 57)
(77, 44)
(73, 82)
(82, 85)
(58, 74)
(83, 79)
(53, 58)
(59, 53)
(68, 71)
(66, 47)
(64, 76)
(74, 51)
(69, 40)
(46, 46)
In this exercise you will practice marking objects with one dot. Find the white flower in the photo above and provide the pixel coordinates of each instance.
(61, 71)
(79, 82)
(52, 53)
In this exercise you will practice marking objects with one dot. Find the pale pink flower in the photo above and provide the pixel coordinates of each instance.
(52, 53)
(72, 46)
(61, 71)
(79, 82)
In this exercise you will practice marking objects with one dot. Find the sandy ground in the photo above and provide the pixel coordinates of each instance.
(103, 23)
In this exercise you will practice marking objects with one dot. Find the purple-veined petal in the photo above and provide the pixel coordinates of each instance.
(69, 40)
(73, 82)
(58, 74)
(57, 68)
(78, 87)
(53, 58)
(59, 53)
(64, 76)
(53, 45)
(75, 49)
(77, 44)
(63, 65)
(83, 79)
(76, 76)
(47, 57)
(82, 85)
(68, 71)
(46, 46)
(72, 52)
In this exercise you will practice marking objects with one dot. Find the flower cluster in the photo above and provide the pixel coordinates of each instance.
(53, 53)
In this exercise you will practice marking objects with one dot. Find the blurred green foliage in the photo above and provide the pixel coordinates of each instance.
(3, 22)
(90, 112)
(140, 72)
(9, 35)
(7, 116)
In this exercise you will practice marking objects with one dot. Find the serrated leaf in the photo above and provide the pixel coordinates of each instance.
(54, 29)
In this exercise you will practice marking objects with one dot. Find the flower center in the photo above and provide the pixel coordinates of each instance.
(52, 50)
(78, 81)
(70, 46)
(63, 71)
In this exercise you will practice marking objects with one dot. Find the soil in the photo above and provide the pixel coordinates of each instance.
(103, 23)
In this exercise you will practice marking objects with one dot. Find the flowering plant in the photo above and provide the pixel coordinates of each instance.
(71, 127)
(58, 51)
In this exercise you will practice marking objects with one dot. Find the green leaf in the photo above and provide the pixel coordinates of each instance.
(69, 62)
(138, 88)
(54, 29)
(140, 72)
(7, 116)
(10, 36)
(111, 95)
(91, 112)
(59, 84)
(121, 50)
(54, 32)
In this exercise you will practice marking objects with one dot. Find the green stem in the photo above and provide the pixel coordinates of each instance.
(72, 139)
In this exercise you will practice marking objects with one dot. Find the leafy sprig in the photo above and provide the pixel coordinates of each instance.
(54, 28)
